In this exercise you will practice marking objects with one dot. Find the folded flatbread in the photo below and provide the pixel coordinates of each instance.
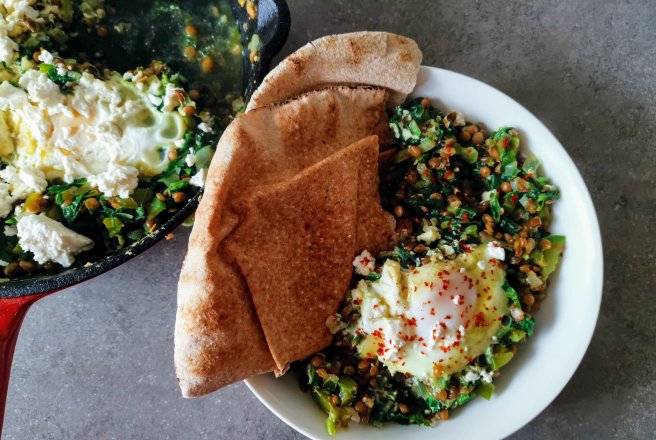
(364, 58)
(296, 243)
(218, 337)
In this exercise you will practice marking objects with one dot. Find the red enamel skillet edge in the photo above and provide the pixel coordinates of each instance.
(16, 297)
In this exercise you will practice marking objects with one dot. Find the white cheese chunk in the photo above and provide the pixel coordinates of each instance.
(198, 179)
(117, 180)
(50, 240)
(494, 250)
(364, 263)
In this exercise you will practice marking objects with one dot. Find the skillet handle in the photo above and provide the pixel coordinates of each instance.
(12, 312)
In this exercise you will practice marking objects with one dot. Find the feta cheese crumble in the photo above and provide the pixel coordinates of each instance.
(117, 180)
(50, 240)
(364, 263)
(494, 250)
(198, 179)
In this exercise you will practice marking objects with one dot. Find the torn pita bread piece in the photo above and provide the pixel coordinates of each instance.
(359, 58)
(218, 338)
(296, 244)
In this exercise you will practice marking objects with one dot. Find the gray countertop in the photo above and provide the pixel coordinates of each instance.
(95, 361)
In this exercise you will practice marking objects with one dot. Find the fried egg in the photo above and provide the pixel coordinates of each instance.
(434, 319)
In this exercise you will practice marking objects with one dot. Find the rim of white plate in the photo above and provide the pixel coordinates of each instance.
(582, 265)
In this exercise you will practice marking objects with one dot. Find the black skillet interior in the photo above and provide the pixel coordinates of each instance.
(272, 25)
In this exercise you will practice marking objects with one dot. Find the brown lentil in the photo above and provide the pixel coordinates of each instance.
(92, 203)
(373, 371)
(522, 185)
(545, 244)
(11, 268)
(434, 163)
(453, 392)
(444, 414)
(535, 222)
(317, 361)
(478, 138)
(189, 52)
(399, 211)
(335, 400)
(363, 365)
(441, 395)
(207, 65)
(161, 197)
(194, 94)
(360, 407)
(471, 129)
(251, 9)
(528, 299)
(172, 154)
(179, 197)
(425, 102)
(506, 187)
(102, 31)
(188, 110)
(191, 30)
(485, 172)
(465, 136)
(403, 408)
(415, 151)
(322, 373)
(27, 265)
(420, 249)
(349, 370)
(411, 178)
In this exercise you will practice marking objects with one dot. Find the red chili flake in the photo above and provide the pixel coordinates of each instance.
(447, 317)
(479, 319)
(375, 306)
(432, 312)
(443, 348)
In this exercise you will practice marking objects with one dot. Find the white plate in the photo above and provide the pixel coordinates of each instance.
(564, 325)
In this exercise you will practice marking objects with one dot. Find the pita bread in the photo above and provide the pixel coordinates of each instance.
(218, 338)
(366, 58)
(296, 244)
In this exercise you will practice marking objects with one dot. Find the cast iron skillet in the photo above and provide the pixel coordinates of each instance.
(272, 25)
(16, 297)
